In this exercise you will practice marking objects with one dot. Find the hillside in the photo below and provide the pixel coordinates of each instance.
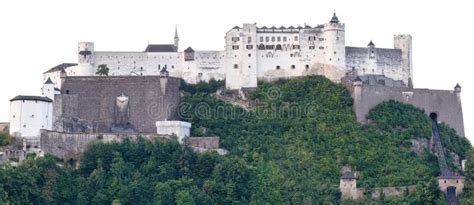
(288, 151)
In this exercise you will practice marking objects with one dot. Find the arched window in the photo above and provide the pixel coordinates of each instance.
(236, 66)
(293, 66)
(278, 67)
(261, 47)
(278, 47)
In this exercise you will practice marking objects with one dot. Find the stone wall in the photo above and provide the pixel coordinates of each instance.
(388, 192)
(131, 104)
(72, 145)
(445, 103)
(204, 142)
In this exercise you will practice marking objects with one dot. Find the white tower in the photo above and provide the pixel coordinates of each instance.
(335, 47)
(241, 57)
(86, 65)
(48, 89)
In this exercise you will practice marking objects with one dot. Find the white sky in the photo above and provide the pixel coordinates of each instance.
(37, 35)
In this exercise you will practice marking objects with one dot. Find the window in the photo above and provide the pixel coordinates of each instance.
(235, 47)
(261, 38)
(269, 47)
(273, 38)
(32, 116)
(278, 67)
(172, 66)
(321, 47)
(235, 39)
(284, 38)
(279, 38)
(250, 55)
(312, 38)
(330, 59)
(250, 66)
(311, 47)
(200, 74)
(249, 39)
(293, 66)
(334, 52)
(261, 47)
(67, 91)
(278, 47)
(13, 116)
(321, 39)
(267, 39)
(236, 66)
(249, 47)
(306, 66)
(296, 46)
(296, 38)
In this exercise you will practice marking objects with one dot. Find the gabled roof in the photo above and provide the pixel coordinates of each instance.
(31, 98)
(291, 27)
(371, 43)
(273, 27)
(264, 27)
(60, 67)
(49, 81)
(282, 27)
(151, 48)
(189, 49)
(236, 27)
(299, 27)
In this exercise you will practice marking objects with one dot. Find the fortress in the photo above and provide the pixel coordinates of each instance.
(142, 87)
(254, 53)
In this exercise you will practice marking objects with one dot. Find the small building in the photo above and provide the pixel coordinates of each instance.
(30, 114)
(179, 128)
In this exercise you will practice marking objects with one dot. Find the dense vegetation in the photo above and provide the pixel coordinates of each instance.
(288, 150)
(5, 138)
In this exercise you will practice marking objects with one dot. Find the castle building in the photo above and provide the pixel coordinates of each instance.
(254, 53)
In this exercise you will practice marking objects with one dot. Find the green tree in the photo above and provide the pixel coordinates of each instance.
(102, 70)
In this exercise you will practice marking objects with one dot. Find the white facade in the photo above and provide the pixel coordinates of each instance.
(179, 128)
(257, 53)
(30, 114)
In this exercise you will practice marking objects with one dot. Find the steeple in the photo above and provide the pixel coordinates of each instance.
(334, 18)
(176, 38)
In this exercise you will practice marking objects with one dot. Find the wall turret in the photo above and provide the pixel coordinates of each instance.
(48, 89)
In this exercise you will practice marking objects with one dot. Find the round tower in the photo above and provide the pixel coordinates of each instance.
(334, 40)
(85, 59)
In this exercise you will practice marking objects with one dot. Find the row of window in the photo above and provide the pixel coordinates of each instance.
(277, 38)
(236, 66)
(277, 47)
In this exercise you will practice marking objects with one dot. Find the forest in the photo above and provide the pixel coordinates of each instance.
(289, 149)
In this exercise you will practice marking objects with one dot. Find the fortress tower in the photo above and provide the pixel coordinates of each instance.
(241, 57)
(85, 59)
(335, 48)
(403, 42)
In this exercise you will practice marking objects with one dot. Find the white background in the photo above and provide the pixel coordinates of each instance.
(37, 35)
